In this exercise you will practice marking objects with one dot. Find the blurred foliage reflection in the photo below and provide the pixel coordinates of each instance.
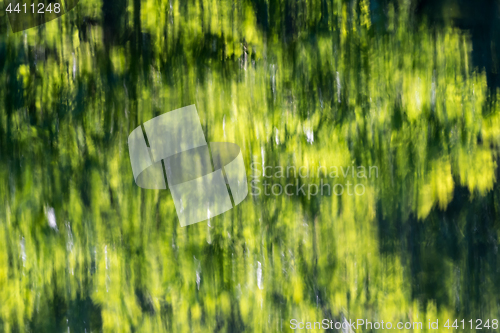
(304, 83)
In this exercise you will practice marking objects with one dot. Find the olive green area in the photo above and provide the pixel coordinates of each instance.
(302, 83)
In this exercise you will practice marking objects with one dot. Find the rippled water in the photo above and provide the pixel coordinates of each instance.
(394, 113)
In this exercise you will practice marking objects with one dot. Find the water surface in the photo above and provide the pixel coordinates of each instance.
(306, 84)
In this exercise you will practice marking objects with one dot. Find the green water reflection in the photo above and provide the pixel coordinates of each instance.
(293, 83)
